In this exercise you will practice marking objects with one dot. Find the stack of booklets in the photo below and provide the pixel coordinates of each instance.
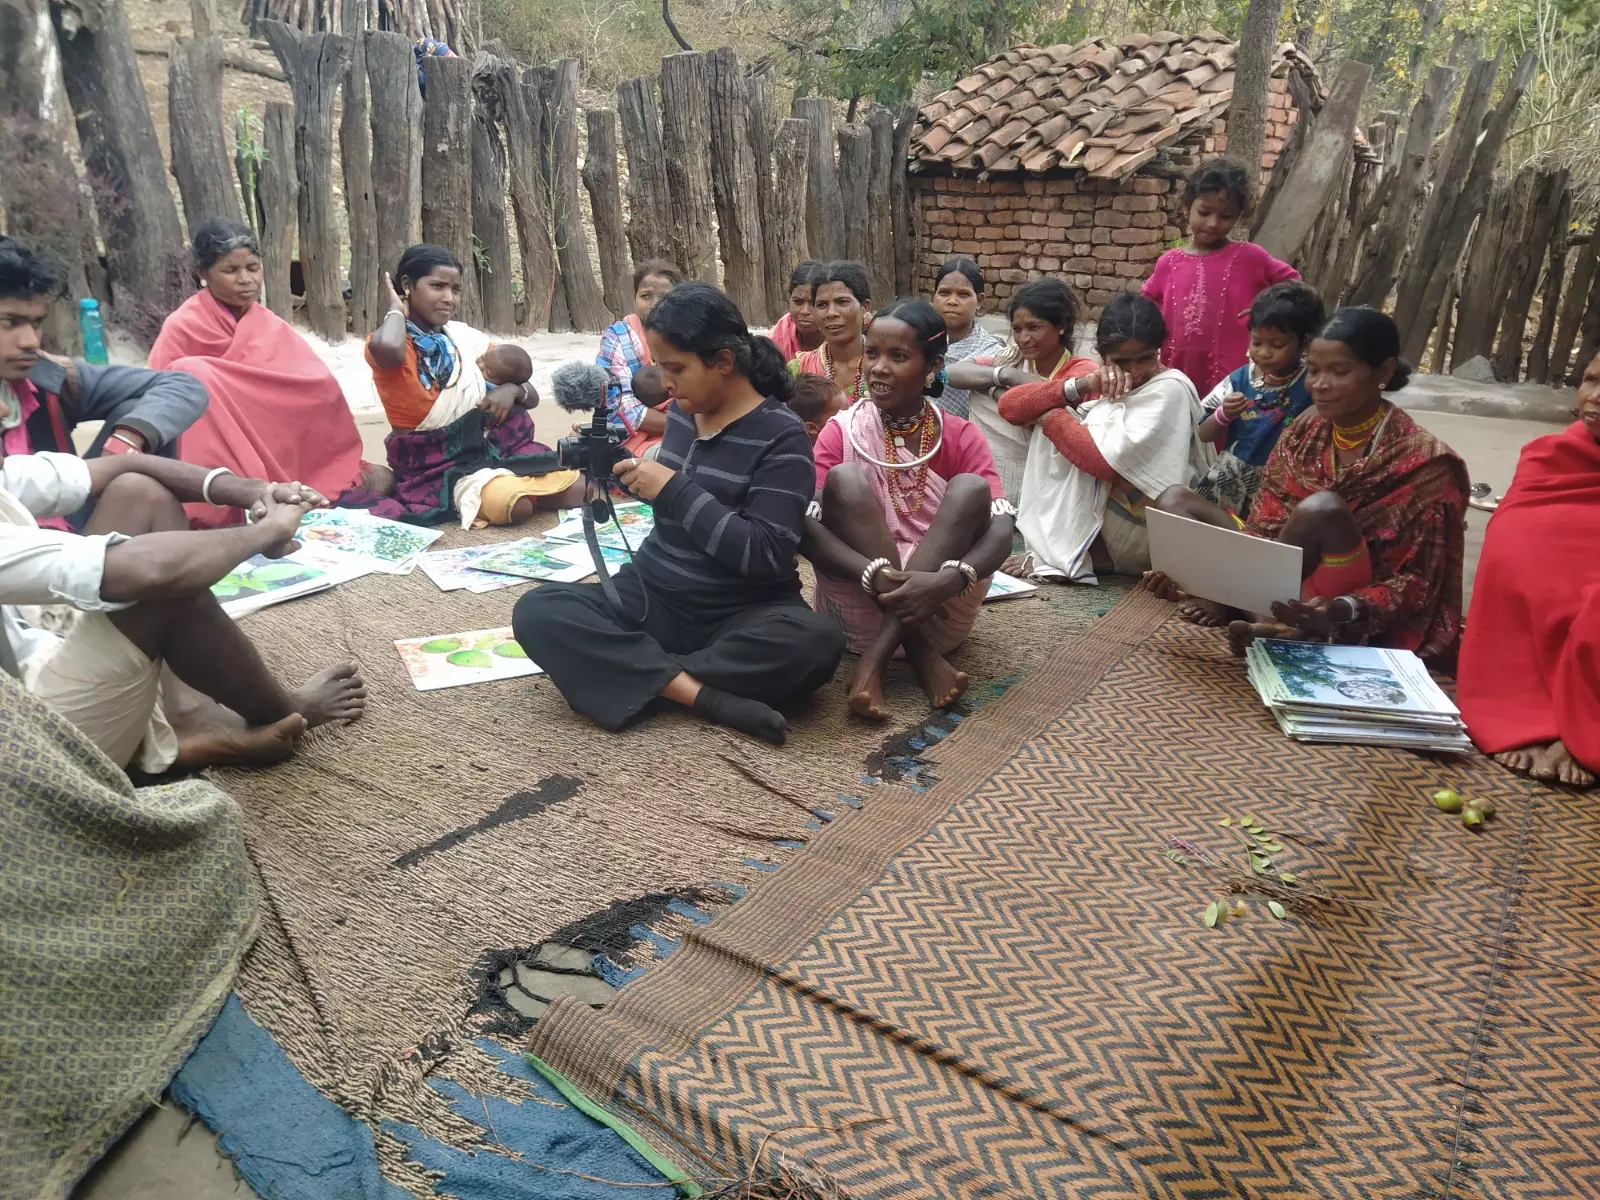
(1355, 694)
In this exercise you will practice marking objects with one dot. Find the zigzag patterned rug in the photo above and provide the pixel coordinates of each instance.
(1003, 986)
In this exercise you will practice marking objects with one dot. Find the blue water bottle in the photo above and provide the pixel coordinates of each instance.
(94, 341)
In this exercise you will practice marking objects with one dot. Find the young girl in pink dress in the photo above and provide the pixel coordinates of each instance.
(1205, 288)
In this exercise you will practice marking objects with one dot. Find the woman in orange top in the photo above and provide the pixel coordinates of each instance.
(462, 440)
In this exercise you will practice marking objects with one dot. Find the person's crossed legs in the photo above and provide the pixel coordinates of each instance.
(852, 511)
(232, 709)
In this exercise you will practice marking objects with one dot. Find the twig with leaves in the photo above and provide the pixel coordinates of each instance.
(1261, 876)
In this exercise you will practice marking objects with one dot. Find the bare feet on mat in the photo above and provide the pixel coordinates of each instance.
(1018, 566)
(1555, 764)
(942, 682)
(1520, 760)
(1207, 613)
(866, 691)
(1242, 633)
(241, 747)
(336, 694)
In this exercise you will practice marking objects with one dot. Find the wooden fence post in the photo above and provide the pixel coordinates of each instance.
(1589, 343)
(880, 207)
(791, 151)
(369, 299)
(315, 63)
(447, 170)
(1477, 314)
(1584, 274)
(649, 205)
(733, 185)
(247, 168)
(585, 304)
(902, 201)
(491, 241)
(605, 203)
(685, 137)
(1385, 248)
(280, 190)
(824, 207)
(1459, 227)
(523, 106)
(121, 157)
(542, 82)
(1555, 273)
(396, 126)
(855, 169)
(1544, 205)
(774, 271)
(194, 117)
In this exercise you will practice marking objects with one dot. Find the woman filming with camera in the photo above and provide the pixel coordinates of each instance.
(712, 616)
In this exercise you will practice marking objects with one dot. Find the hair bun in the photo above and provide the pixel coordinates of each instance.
(1401, 376)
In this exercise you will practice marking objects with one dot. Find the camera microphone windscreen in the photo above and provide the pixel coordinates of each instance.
(579, 386)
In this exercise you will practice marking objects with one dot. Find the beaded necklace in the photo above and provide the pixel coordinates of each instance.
(858, 391)
(895, 435)
(1353, 437)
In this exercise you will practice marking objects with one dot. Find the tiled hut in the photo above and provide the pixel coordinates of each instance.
(1069, 160)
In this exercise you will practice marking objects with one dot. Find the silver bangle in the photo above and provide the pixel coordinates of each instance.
(966, 569)
(205, 486)
(814, 510)
(394, 312)
(994, 382)
(871, 572)
(1002, 508)
(1069, 390)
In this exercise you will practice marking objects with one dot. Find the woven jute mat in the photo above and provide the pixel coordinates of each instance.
(1005, 986)
(404, 856)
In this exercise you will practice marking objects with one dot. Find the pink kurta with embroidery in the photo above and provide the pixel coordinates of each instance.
(1205, 299)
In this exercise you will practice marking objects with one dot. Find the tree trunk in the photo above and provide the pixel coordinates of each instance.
(585, 305)
(605, 203)
(280, 189)
(39, 189)
(396, 124)
(649, 206)
(524, 116)
(855, 170)
(685, 137)
(774, 270)
(199, 146)
(447, 169)
(1441, 341)
(315, 63)
(1247, 112)
(733, 184)
(1477, 314)
(369, 299)
(1429, 13)
(1555, 272)
(1584, 274)
(1386, 248)
(490, 237)
(1318, 168)
(542, 81)
(791, 150)
(122, 158)
(902, 203)
(824, 207)
(1544, 207)
(1590, 342)
(1435, 272)
(880, 203)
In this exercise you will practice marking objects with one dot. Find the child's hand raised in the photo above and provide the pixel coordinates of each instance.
(1233, 404)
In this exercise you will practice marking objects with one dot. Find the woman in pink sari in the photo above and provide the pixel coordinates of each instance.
(911, 522)
(276, 410)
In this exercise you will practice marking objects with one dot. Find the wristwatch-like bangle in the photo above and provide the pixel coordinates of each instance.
(871, 573)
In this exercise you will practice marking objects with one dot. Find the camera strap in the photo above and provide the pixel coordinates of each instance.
(597, 507)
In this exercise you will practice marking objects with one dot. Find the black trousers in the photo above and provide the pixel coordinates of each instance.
(610, 668)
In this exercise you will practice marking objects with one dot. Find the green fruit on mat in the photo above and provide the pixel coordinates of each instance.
(1472, 818)
(1447, 801)
(1483, 805)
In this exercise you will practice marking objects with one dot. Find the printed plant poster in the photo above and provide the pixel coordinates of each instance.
(455, 659)
(387, 546)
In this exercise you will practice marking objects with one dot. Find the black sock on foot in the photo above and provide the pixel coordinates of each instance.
(736, 712)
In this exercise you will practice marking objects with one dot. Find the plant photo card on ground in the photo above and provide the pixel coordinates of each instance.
(1005, 587)
(534, 560)
(454, 570)
(260, 581)
(577, 553)
(635, 517)
(455, 659)
(387, 546)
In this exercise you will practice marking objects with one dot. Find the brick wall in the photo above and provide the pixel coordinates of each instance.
(1101, 236)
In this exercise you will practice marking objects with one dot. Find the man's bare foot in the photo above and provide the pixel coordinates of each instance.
(942, 682)
(1206, 613)
(1018, 566)
(1520, 760)
(866, 691)
(1242, 633)
(1555, 763)
(261, 747)
(336, 694)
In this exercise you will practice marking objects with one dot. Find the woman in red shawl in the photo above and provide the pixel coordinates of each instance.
(1529, 686)
(1376, 502)
(276, 411)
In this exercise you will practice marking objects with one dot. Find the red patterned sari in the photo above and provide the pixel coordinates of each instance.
(1409, 495)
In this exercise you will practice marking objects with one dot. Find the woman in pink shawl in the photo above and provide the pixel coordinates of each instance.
(276, 410)
(911, 522)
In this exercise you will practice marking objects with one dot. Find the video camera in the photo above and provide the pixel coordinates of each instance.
(596, 449)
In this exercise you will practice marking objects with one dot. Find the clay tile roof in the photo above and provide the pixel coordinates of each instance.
(1105, 107)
